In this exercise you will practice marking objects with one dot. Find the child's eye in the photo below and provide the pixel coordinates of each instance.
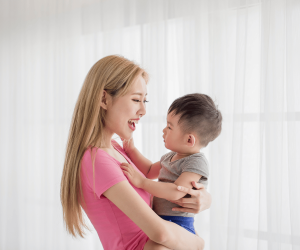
(169, 128)
(146, 101)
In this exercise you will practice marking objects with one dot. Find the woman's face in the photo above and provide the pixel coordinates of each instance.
(125, 111)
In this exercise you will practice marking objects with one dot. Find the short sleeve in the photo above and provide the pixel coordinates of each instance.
(107, 171)
(165, 156)
(198, 164)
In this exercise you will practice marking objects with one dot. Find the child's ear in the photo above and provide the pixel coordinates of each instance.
(104, 100)
(191, 140)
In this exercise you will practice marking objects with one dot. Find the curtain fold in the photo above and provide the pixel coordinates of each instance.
(245, 54)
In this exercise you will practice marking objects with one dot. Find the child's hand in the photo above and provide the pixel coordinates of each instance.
(128, 145)
(133, 175)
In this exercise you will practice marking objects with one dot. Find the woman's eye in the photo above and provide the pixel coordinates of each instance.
(169, 128)
(135, 100)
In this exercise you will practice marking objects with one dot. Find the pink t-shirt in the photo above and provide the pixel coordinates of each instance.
(116, 231)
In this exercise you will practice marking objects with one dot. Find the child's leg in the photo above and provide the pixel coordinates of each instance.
(151, 245)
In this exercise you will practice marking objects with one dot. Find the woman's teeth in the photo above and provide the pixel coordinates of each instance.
(133, 121)
(131, 124)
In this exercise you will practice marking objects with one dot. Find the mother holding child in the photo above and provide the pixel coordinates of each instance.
(111, 184)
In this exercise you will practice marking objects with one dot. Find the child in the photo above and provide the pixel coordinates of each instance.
(192, 122)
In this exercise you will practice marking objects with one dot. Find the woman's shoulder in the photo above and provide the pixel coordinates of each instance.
(101, 155)
(90, 151)
(97, 154)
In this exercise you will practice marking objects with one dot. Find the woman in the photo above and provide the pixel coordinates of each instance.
(112, 96)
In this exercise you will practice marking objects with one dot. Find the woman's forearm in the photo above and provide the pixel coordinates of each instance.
(178, 238)
(158, 230)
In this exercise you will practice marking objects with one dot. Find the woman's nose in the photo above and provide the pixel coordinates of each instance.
(142, 110)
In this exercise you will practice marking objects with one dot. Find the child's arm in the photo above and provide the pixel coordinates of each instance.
(163, 190)
(141, 162)
(154, 171)
(149, 169)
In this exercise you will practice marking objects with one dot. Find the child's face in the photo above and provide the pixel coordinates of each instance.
(173, 136)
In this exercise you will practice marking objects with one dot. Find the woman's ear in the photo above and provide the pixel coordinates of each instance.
(104, 100)
(191, 140)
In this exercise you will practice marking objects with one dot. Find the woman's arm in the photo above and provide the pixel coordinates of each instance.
(163, 232)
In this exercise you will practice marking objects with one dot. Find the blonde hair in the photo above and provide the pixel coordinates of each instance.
(115, 75)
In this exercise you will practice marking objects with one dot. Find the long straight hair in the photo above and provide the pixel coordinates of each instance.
(114, 74)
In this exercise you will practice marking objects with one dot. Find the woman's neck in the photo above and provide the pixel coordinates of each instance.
(105, 141)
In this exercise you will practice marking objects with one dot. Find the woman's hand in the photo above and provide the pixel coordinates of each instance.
(133, 175)
(199, 201)
(128, 145)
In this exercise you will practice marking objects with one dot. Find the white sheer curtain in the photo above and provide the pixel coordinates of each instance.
(245, 54)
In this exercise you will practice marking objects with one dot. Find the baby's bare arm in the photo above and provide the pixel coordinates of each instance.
(154, 170)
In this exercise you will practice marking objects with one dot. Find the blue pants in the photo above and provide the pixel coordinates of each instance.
(185, 222)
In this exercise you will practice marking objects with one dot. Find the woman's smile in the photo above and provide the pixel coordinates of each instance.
(131, 125)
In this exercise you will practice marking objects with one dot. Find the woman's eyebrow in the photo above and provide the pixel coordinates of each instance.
(138, 93)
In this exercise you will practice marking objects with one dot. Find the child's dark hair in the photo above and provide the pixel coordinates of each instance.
(198, 113)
